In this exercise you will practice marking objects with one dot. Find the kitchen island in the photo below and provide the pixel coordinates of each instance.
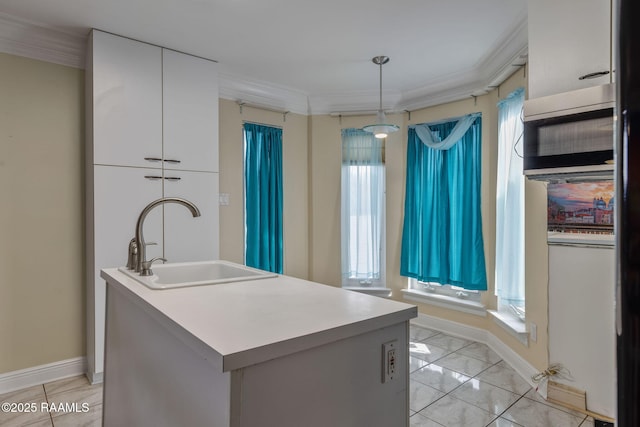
(279, 351)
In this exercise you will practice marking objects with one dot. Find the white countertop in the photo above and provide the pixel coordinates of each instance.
(250, 322)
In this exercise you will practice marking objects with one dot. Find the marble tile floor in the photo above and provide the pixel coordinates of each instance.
(457, 382)
(453, 382)
(71, 402)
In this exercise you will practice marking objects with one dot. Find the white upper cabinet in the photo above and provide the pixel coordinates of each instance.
(190, 112)
(127, 101)
(187, 238)
(152, 107)
(568, 39)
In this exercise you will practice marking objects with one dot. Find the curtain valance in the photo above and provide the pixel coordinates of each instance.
(432, 140)
(361, 148)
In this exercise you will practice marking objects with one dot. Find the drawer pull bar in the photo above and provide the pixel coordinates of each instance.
(153, 177)
(153, 159)
(593, 75)
(172, 178)
(172, 161)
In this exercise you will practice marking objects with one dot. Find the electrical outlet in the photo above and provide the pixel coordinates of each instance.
(389, 360)
(533, 331)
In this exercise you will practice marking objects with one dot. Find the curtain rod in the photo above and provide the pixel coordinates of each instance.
(242, 103)
(262, 124)
(353, 113)
(449, 119)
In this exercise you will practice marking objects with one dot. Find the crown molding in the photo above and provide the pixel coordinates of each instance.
(354, 101)
(32, 40)
(24, 38)
(505, 58)
(455, 89)
(262, 93)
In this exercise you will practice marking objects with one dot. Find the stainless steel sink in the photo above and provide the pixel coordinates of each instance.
(202, 273)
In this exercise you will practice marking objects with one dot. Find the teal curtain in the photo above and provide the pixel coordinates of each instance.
(263, 197)
(442, 231)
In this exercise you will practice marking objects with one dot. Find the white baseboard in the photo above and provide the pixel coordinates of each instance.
(520, 365)
(36, 375)
(95, 377)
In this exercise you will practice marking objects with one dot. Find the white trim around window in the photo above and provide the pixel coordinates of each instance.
(513, 325)
(371, 290)
(445, 296)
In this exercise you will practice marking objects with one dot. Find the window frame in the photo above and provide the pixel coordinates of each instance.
(446, 290)
(443, 212)
(381, 281)
(518, 314)
(355, 145)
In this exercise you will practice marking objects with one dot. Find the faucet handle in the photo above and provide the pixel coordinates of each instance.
(146, 266)
(132, 254)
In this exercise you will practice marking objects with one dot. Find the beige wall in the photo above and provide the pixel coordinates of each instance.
(325, 187)
(536, 260)
(324, 245)
(41, 213)
(41, 216)
(325, 172)
(295, 198)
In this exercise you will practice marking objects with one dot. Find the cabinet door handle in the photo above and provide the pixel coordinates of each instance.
(593, 75)
(172, 178)
(153, 177)
(618, 308)
(153, 159)
(172, 161)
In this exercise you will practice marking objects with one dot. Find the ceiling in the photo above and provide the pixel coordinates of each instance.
(307, 56)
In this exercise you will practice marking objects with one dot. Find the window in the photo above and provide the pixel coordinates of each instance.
(442, 231)
(442, 244)
(263, 197)
(363, 210)
(510, 207)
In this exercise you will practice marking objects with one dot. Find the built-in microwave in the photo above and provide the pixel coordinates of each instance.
(569, 136)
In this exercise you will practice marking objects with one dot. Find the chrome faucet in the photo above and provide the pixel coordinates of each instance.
(137, 247)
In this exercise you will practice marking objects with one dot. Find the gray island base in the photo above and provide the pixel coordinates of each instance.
(276, 352)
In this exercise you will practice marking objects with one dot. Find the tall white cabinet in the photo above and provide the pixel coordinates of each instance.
(569, 39)
(152, 131)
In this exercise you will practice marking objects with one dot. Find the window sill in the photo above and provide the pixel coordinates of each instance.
(376, 291)
(446, 301)
(515, 327)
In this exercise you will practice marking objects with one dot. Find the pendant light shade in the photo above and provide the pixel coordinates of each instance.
(381, 128)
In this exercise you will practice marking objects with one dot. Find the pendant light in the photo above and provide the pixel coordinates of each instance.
(381, 129)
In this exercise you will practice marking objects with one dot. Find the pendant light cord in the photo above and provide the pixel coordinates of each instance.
(380, 128)
(380, 109)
